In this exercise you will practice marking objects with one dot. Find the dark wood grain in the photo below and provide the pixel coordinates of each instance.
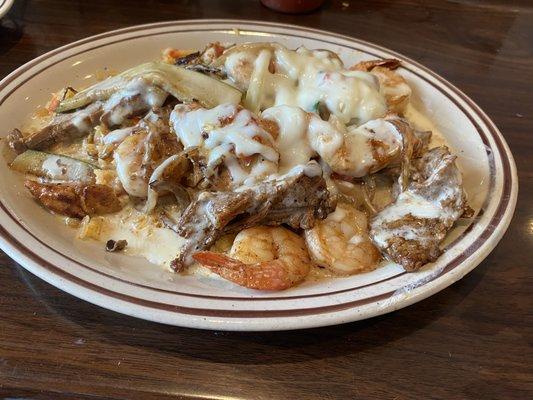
(472, 340)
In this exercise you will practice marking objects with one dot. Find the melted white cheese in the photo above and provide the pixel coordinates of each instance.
(349, 151)
(306, 78)
(81, 120)
(409, 203)
(311, 169)
(227, 134)
(150, 96)
(361, 150)
(291, 142)
(324, 137)
(118, 135)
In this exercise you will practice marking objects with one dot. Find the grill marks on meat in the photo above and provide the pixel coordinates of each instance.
(296, 201)
(410, 229)
(74, 200)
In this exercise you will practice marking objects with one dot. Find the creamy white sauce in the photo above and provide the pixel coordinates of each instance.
(421, 122)
(360, 158)
(396, 91)
(409, 203)
(227, 134)
(394, 87)
(242, 65)
(80, 120)
(311, 169)
(150, 97)
(324, 137)
(305, 78)
(159, 245)
(292, 143)
(117, 136)
(348, 151)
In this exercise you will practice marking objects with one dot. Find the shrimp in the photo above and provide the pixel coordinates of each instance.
(341, 243)
(356, 151)
(393, 86)
(353, 151)
(263, 258)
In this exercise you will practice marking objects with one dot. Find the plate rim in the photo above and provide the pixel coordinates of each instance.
(417, 294)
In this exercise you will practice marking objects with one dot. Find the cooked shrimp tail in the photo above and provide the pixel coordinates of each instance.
(270, 275)
(263, 258)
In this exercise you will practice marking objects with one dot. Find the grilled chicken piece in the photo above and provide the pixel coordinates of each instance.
(297, 200)
(410, 229)
(75, 200)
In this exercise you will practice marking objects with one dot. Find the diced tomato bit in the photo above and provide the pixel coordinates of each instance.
(180, 53)
(53, 103)
(218, 48)
(170, 55)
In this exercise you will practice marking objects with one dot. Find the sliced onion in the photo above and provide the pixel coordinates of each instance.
(254, 95)
(158, 183)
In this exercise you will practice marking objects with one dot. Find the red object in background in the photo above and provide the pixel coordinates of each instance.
(293, 6)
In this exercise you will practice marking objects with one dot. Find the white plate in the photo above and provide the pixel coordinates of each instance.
(131, 286)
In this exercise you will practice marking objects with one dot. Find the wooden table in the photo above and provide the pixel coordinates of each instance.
(472, 340)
